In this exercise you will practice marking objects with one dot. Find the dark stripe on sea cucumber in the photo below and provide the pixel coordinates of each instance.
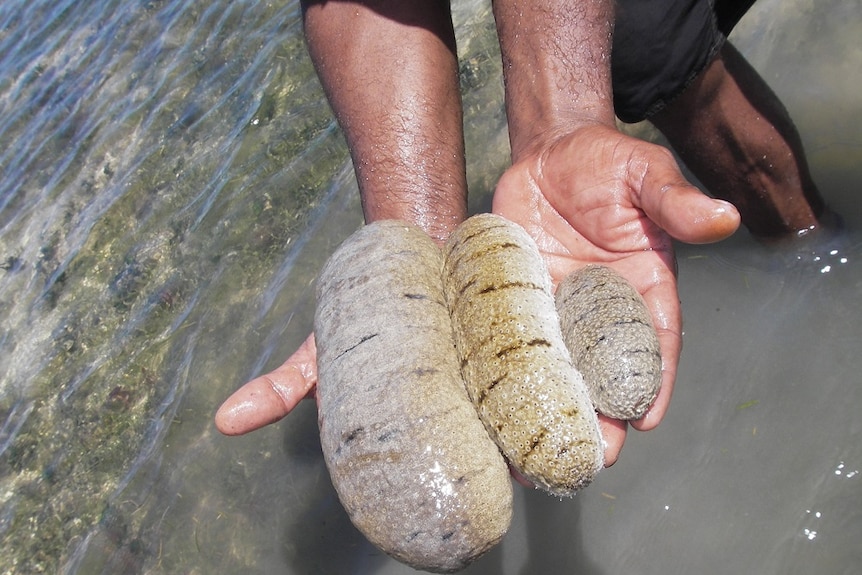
(415, 296)
(619, 322)
(629, 321)
(423, 371)
(510, 285)
(537, 440)
(603, 296)
(480, 232)
(353, 435)
(388, 435)
(538, 342)
(471, 255)
(357, 344)
(494, 384)
(460, 299)
(465, 287)
(484, 392)
(647, 351)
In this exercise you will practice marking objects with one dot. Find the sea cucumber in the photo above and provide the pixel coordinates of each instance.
(411, 462)
(518, 372)
(607, 328)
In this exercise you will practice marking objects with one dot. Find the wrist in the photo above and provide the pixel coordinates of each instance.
(529, 138)
(393, 86)
(556, 63)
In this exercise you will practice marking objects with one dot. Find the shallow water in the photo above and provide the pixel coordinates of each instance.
(172, 181)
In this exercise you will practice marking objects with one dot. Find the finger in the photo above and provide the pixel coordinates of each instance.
(662, 300)
(681, 209)
(270, 397)
(671, 345)
(614, 435)
(520, 479)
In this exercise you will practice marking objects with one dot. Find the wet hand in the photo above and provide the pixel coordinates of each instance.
(270, 397)
(594, 196)
(599, 196)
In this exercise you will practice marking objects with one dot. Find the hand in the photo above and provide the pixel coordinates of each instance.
(598, 196)
(609, 201)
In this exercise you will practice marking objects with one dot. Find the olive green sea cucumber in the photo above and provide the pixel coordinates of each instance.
(518, 371)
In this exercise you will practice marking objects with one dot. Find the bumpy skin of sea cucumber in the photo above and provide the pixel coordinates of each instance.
(608, 330)
(518, 371)
(410, 460)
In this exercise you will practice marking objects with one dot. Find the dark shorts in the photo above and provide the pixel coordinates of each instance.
(660, 46)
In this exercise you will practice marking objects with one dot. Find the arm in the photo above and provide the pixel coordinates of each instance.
(556, 67)
(735, 135)
(390, 73)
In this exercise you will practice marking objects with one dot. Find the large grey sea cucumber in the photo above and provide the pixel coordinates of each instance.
(410, 461)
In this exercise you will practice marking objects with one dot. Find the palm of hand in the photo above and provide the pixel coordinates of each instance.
(582, 200)
(583, 206)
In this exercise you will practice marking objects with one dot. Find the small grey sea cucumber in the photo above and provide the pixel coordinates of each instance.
(608, 330)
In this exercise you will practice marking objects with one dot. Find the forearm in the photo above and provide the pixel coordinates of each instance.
(556, 66)
(735, 135)
(390, 73)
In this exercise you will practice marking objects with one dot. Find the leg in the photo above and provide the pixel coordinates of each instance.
(735, 135)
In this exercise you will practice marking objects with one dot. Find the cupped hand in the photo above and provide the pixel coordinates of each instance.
(599, 196)
(593, 196)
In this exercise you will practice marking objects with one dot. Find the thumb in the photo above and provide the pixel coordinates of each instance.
(270, 397)
(682, 210)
